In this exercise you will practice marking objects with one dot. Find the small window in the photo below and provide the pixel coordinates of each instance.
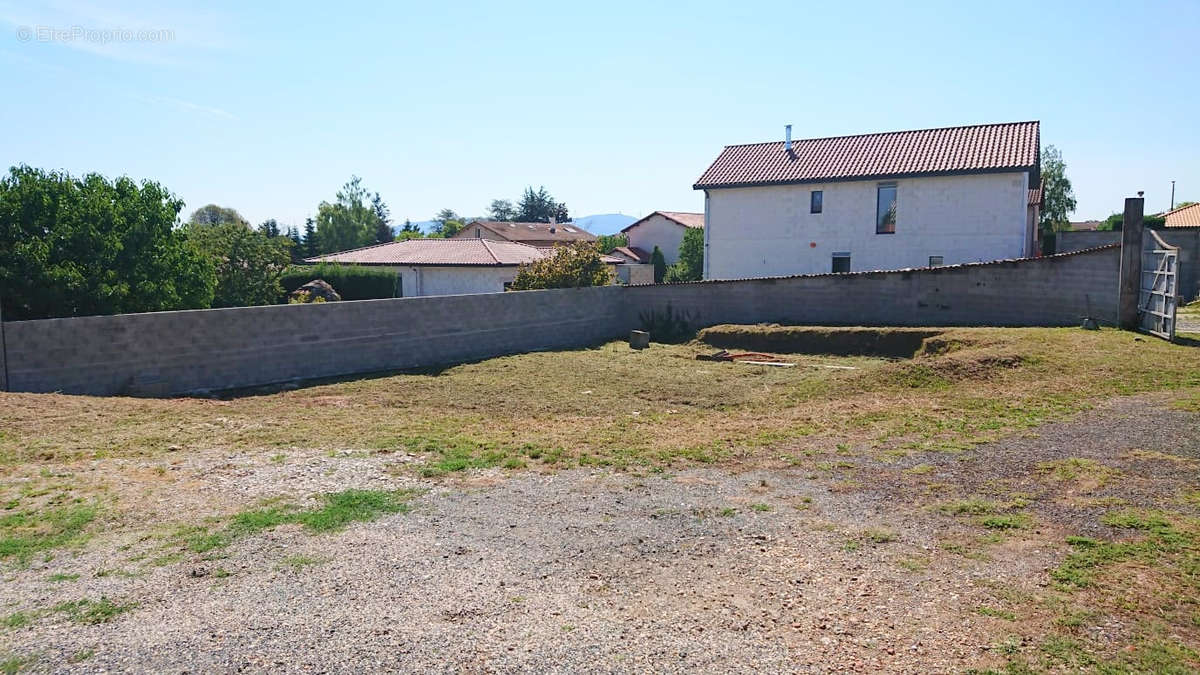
(885, 210)
(478, 233)
(814, 201)
(935, 261)
(841, 263)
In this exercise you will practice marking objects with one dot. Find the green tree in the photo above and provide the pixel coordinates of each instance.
(1058, 199)
(502, 210)
(247, 262)
(409, 230)
(297, 244)
(270, 228)
(690, 266)
(575, 265)
(383, 220)
(448, 222)
(539, 207)
(212, 214)
(608, 242)
(83, 246)
(660, 265)
(1180, 205)
(349, 222)
(311, 246)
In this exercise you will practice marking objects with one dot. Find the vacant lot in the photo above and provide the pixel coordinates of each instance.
(1007, 499)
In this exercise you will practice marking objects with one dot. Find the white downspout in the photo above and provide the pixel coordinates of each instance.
(707, 224)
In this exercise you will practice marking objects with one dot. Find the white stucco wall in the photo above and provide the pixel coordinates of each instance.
(661, 232)
(464, 280)
(768, 231)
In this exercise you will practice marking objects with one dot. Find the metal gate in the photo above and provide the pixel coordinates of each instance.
(1160, 283)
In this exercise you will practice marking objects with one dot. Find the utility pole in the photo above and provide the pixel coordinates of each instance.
(1172, 195)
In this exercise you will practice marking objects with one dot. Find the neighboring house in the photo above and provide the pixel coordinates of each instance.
(871, 202)
(534, 234)
(1084, 225)
(663, 229)
(448, 266)
(1185, 216)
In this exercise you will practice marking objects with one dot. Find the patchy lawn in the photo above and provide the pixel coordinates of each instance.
(958, 488)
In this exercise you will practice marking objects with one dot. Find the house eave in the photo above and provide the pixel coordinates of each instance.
(870, 177)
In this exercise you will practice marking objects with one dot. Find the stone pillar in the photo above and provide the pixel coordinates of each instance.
(3, 355)
(1131, 263)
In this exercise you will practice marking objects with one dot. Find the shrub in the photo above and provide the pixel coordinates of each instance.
(660, 264)
(572, 266)
(352, 282)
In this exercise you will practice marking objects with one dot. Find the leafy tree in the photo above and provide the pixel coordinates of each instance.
(311, 246)
(216, 215)
(83, 246)
(270, 228)
(608, 242)
(1058, 199)
(349, 222)
(572, 266)
(1117, 220)
(690, 266)
(383, 220)
(297, 244)
(409, 230)
(502, 210)
(448, 222)
(540, 207)
(660, 264)
(1180, 205)
(247, 262)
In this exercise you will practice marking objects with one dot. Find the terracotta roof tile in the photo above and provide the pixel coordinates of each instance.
(1187, 216)
(564, 232)
(987, 147)
(437, 252)
(684, 218)
(634, 253)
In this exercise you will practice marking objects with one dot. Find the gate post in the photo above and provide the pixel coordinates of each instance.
(1131, 264)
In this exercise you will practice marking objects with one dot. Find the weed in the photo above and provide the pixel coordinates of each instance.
(92, 611)
(14, 663)
(82, 655)
(762, 508)
(879, 536)
(972, 507)
(62, 576)
(16, 620)
(998, 613)
(1011, 521)
(26, 533)
(920, 469)
(727, 512)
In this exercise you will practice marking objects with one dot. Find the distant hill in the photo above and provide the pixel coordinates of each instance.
(605, 223)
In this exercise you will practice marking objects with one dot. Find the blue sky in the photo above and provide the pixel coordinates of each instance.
(614, 106)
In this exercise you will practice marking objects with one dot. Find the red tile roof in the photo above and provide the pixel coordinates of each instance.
(437, 252)
(1084, 225)
(954, 150)
(540, 232)
(1187, 216)
(444, 253)
(684, 218)
(635, 254)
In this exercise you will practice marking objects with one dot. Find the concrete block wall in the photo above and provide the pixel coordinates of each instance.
(1052, 291)
(1071, 241)
(177, 352)
(172, 352)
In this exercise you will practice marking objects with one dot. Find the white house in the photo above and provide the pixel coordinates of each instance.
(448, 266)
(663, 229)
(871, 202)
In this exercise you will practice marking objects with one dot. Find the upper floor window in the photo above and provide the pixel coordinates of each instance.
(885, 210)
(814, 201)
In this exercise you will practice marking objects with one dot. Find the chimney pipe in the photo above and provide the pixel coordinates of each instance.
(787, 138)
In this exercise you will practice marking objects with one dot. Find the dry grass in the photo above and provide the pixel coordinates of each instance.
(614, 406)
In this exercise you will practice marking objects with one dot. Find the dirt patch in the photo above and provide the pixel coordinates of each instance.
(887, 342)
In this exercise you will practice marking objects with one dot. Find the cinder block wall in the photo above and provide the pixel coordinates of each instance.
(1071, 241)
(172, 352)
(175, 352)
(1052, 291)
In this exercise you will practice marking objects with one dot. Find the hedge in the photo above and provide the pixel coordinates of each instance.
(352, 282)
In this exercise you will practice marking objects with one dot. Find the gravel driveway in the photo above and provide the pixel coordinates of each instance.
(769, 569)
